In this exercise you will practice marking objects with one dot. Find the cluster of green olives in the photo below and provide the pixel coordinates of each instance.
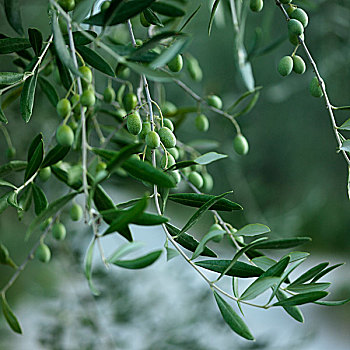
(58, 231)
(64, 108)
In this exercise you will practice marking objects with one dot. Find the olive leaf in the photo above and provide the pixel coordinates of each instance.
(139, 263)
(27, 97)
(88, 267)
(13, 15)
(36, 40)
(10, 316)
(49, 90)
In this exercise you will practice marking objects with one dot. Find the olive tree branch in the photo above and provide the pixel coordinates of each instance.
(322, 84)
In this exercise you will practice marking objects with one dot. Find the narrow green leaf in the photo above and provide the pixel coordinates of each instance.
(61, 47)
(10, 45)
(95, 60)
(232, 319)
(263, 262)
(139, 263)
(52, 209)
(209, 158)
(5, 258)
(9, 316)
(151, 17)
(242, 98)
(124, 249)
(277, 269)
(190, 18)
(332, 303)
(4, 204)
(106, 154)
(345, 125)
(3, 118)
(49, 90)
(202, 210)
(301, 299)
(12, 200)
(13, 165)
(82, 9)
(27, 97)
(293, 311)
(258, 287)
(325, 271)
(187, 241)
(13, 15)
(7, 184)
(197, 200)
(88, 267)
(146, 172)
(125, 153)
(345, 146)
(308, 275)
(166, 9)
(295, 256)
(252, 230)
(212, 14)
(36, 40)
(34, 161)
(152, 74)
(239, 269)
(79, 38)
(207, 237)
(40, 201)
(249, 106)
(310, 287)
(283, 243)
(102, 200)
(55, 155)
(9, 78)
(181, 165)
(64, 73)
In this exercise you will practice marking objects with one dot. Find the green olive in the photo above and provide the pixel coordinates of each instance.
(216, 227)
(101, 166)
(169, 108)
(134, 123)
(168, 124)
(208, 182)
(294, 38)
(290, 9)
(256, 5)
(65, 135)
(88, 98)
(214, 101)
(202, 122)
(176, 175)
(295, 27)
(105, 5)
(194, 69)
(240, 145)
(45, 224)
(122, 71)
(58, 231)
(301, 16)
(152, 140)
(299, 66)
(176, 64)
(87, 76)
(130, 101)
(144, 21)
(43, 253)
(109, 95)
(315, 88)
(195, 179)
(11, 153)
(45, 173)
(67, 5)
(167, 137)
(146, 128)
(174, 152)
(285, 66)
(74, 100)
(76, 212)
(64, 107)
(163, 161)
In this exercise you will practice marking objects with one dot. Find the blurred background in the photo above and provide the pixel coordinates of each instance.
(292, 180)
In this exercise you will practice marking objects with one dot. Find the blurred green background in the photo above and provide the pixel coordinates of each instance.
(293, 180)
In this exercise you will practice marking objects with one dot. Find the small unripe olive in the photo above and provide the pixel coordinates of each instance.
(299, 66)
(76, 212)
(134, 123)
(295, 27)
(58, 231)
(216, 227)
(194, 69)
(315, 88)
(65, 135)
(122, 71)
(168, 124)
(144, 21)
(285, 1)
(101, 166)
(208, 182)
(163, 161)
(152, 140)
(195, 179)
(285, 66)
(176, 175)
(109, 95)
(130, 101)
(10, 152)
(45, 173)
(87, 76)
(167, 137)
(294, 38)
(45, 223)
(138, 42)
(256, 5)
(63, 107)
(214, 101)
(105, 5)
(43, 253)
(48, 69)
(176, 64)
(240, 145)
(146, 128)
(290, 9)
(301, 16)
(67, 5)
(74, 100)
(169, 108)
(174, 152)
(88, 98)
(202, 122)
